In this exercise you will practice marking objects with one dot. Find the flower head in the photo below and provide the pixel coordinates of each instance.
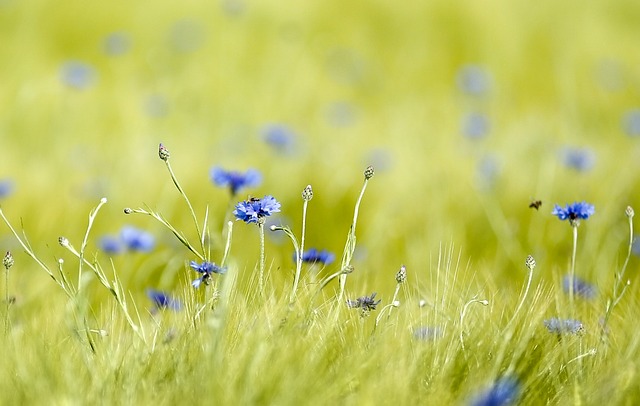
(505, 391)
(235, 180)
(162, 300)
(77, 75)
(474, 80)
(135, 239)
(366, 303)
(317, 256)
(475, 126)
(206, 269)
(280, 137)
(580, 287)
(563, 326)
(580, 159)
(163, 152)
(252, 210)
(427, 333)
(401, 276)
(574, 212)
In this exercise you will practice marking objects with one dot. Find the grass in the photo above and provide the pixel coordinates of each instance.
(357, 84)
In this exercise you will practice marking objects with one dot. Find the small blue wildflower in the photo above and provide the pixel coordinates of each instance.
(574, 212)
(631, 122)
(473, 80)
(162, 300)
(77, 75)
(6, 187)
(135, 239)
(366, 303)
(252, 210)
(562, 326)
(235, 180)
(427, 333)
(505, 391)
(475, 126)
(206, 269)
(580, 287)
(116, 44)
(110, 245)
(313, 255)
(580, 159)
(280, 137)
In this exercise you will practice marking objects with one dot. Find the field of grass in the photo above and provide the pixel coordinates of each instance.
(470, 113)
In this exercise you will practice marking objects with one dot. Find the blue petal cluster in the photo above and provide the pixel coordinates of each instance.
(235, 180)
(575, 211)
(505, 391)
(313, 255)
(206, 269)
(162, 300)
(130, 238)
(564, 326)
(366, 303)
(280, 137)
(580, 287)
(250, 211)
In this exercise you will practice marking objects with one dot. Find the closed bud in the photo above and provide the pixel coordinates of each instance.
(7, 261)
(368, 173)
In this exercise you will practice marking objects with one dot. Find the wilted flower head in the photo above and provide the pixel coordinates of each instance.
(475, 126)
(235, 180)
(580, 287)
(206, 269)
(580, 159)
(162, 300)
(6, 187)
(317, 256)
(76, 74)
(366, 303)
(252, 210)
(564, 326)
(505, 391)
(574, 212)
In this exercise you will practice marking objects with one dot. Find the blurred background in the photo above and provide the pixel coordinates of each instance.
(468, 111)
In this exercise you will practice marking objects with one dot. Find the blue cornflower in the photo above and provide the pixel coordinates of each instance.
(162, 300)
(505, 391)
(574, 212)
(78, 75)
(280, 137)
(473, 80)
(475, 126)
(252, 210)
(135, 239)
(366, 303)
(427, 333)
(631, 122)
(235, 180)
(313, 255)
(580, 159)
(580, 287)
(206, 269)
(6, 187)
(116, 44)
(110, 244)
(562, 326)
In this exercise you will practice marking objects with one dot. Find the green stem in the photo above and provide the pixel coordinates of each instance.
(261, 280)
(572, 271)
(299, 252)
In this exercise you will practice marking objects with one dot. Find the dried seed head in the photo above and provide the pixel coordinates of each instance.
(629, 212)
(163, 152)
(368, 173)
(128, 210)
(401, 276)
(63, 241)
(530, 262)
(307, 193)
(7, 261)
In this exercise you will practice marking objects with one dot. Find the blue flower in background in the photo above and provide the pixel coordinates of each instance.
(313, 255)
(475, 126)
(635, 246)
(116, 44)
(136, 239)
(162, 300)
(77, 75)
(564, 326)
(206, 269)
(427, 333)
(252, 210)
(580, 159)
(631, 122)
(505, 391)
(235, 180)
(110, 245)
(574, 212)
(366, 303)
(473, 80)
(6, 187)
(280, 137)
(580, 287)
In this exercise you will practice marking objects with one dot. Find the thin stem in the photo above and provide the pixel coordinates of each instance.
(395, 296)
(261, 280)
(6, 299)
(227, 246)
(484, 302)
(572, 271)
(299, 252)
(92, 217)
(524, 297)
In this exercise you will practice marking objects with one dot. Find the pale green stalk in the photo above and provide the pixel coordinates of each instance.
(484, 302)
(92, 217)
(261, 280)
(227, 245)
(530, 264)
(572, 271)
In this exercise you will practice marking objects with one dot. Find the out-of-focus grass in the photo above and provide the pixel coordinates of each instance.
(366, 82)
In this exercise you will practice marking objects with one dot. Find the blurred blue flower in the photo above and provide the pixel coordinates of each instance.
(562, 326)
(366, 303)
(235, 180)
(427, 333)
(280, 137)
(250, 211)
(162, 300)
(635, 246)
(473, 80)
(6, 188)
(156, 106)
(580, 159)
(487, 171)
(475, 125)
(206, 269)
(110, 245)
(116, 44)
(313, 255)
(631, 122)
(580, 287)
(77, 75)
(505, 391)
(135, 239)
(574, 212)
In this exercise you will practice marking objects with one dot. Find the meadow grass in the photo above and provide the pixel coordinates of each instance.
(468, 113)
